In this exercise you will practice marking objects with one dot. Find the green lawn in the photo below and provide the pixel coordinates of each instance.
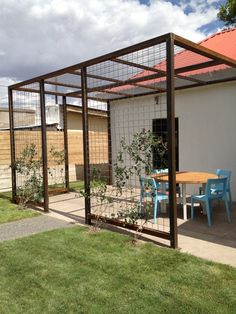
(76, 271)
(10, 212)
(76, 186)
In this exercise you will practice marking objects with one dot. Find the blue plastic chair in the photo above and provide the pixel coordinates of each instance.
(165, 170)
(212, 195)
(149, 188)
(224, 173)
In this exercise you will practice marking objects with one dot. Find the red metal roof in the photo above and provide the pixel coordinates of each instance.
(223, 42)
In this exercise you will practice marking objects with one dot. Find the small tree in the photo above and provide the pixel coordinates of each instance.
(227, 13)
(30, 168)
(139, 151)
(58, 159)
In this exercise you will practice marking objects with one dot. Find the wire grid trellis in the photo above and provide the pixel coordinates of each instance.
(55, 143)
(129, 119)
(113, 82)
(27, 130)
(5, 158)
(28, 135)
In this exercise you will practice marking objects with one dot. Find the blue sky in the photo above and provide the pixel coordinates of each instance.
(189, 9)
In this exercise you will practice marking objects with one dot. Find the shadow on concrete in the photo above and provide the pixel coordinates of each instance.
(221, 232)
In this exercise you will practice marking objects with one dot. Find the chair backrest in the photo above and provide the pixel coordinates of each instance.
(160, 170)
(224, 173)
(212, 183)
(147, 183)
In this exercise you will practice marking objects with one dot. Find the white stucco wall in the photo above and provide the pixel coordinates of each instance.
(207, 126)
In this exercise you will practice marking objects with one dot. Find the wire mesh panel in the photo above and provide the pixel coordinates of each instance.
(28, 146)
(5, 154)
(135, 150)
(122, 129)
(56, 150)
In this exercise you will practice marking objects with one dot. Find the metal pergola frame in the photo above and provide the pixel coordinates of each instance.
(83, 91)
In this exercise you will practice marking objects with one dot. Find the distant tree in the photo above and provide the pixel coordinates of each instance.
(227, 12)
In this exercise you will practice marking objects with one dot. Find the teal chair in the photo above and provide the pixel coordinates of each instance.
(225, 173)
(149, 188)
(210, 195)
(165, 170)
(222, 173)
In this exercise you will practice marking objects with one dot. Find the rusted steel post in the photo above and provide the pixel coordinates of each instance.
(12, 143)
(86, 145)
(109, 142)
(44, 145)
(65, 124)
(171, 140)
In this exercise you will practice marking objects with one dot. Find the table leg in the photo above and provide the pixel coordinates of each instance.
(184, 201)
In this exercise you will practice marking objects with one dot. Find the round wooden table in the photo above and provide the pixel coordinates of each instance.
(186, 177)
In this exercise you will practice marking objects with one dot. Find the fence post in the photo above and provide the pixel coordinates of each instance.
(44, 145)
(65, 128)
(86, 146)
(171, 140)
(109, 142)
(12, 143)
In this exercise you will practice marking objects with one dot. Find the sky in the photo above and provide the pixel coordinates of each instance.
(39, 36)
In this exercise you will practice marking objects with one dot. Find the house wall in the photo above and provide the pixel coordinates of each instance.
(207, 126)
(21, 118)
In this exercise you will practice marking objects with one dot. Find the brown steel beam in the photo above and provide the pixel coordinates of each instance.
(12, 142)
(180, 88)
(197, 48)
(44, 146)
(109, 142)
(198, 66)
(123, 224)
(147, 68)
(125, 82)
(119, 82)
(31, 90)
(62, 84)
(115, 93)
(171, 141)
(65, 132)
(86, 146)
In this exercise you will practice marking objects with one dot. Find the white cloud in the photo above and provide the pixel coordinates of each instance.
(38, 36)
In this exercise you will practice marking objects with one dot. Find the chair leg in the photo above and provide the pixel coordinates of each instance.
(227, 210)
(192, 208)
(155, 209)
(141, 201)
(230, 201)
(209, 212)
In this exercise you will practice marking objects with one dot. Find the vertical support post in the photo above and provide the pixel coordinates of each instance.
(12, 143)
(86, 145)
(65, 122)
(44, 145)
(109, 142)
(171, 140)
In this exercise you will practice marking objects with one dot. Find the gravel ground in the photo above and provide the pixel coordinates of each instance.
(26, 227)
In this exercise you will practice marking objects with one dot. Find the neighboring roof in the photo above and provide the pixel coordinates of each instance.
(223, 42)
(6, 109)
(30, 127)
(91, 111)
